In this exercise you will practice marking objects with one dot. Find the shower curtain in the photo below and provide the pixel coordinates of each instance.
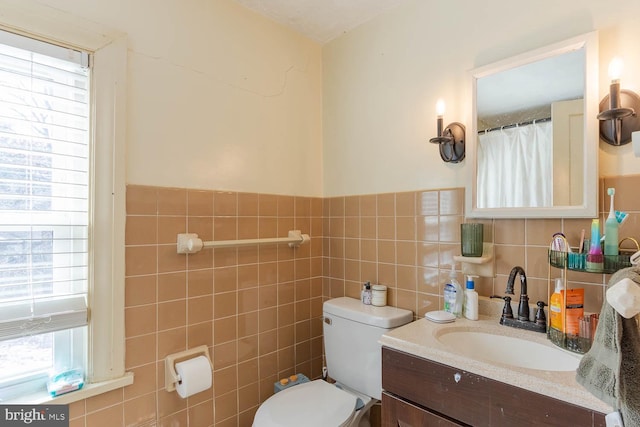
(515, 167)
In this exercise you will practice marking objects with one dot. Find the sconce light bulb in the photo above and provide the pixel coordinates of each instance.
(615, 69)
(440, 108)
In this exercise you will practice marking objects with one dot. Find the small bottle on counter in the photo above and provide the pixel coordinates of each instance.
(366, 294)
(471, 300)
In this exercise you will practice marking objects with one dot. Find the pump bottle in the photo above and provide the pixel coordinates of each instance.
(453, 296)
(557, 314)
(366, 294)
(556, 306)
(471, 299)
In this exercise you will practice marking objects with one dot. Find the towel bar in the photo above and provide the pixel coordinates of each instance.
(189, 243)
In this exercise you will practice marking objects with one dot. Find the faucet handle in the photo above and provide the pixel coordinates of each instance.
(541, 318)
(507, 312)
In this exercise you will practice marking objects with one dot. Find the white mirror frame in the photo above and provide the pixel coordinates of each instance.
(589, 208)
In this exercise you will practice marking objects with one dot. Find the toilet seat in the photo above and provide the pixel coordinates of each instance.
(313, 404)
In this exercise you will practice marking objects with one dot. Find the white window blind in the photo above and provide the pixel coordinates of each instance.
(44, 187)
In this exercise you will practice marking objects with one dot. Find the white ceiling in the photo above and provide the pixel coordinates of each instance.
(539, 83)
(321, 20)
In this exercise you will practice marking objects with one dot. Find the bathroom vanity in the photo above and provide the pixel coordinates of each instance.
(429, 383)
(419, 392)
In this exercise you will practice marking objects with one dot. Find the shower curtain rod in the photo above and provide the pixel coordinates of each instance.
(525, 123)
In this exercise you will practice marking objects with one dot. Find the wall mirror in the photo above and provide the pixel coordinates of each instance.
(533, 147)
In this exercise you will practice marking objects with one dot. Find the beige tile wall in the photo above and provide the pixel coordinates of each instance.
(407, 241)
(259, 309)
(256, 334)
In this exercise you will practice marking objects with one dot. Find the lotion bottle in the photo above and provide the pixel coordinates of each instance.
(471, 300)
(453, 296)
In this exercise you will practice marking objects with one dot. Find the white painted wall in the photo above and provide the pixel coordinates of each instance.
(222, 98)
(381, 82)
(218, 96)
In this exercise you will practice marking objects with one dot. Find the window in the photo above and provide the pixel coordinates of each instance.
(61, 192)
(44, 210)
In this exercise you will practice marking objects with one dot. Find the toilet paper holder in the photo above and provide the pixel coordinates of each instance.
(171, 377)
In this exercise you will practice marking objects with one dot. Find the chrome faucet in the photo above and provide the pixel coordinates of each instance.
(523, 306)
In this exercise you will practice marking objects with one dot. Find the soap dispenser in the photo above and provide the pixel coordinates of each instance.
(557, 307)
(453, 296)
(557, 314)
(471, 299)
(366, 294)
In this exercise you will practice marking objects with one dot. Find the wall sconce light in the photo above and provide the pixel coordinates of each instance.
(451, 139)
(618, 110)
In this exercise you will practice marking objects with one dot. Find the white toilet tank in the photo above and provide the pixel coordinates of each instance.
(351, 333)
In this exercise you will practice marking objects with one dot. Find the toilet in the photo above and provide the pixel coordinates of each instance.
(353, 355)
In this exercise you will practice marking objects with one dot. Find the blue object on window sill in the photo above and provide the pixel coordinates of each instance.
(65, 382)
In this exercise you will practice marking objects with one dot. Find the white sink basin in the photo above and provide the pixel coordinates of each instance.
(509, 350)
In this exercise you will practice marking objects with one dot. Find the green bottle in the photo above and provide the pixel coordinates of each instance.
(611, 228)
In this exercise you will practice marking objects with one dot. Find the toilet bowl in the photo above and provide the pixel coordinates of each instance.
(351, 331)
(313, 404)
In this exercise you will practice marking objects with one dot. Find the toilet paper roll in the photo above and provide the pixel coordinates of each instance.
(195, 376)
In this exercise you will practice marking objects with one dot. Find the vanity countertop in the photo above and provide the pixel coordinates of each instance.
(419, 338)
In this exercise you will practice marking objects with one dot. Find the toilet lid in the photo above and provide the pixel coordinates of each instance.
(313, 404)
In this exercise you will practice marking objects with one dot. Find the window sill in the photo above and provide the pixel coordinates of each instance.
(89, 390)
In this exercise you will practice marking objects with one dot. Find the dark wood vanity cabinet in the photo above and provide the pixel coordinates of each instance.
(420, 392)
(397, 412)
